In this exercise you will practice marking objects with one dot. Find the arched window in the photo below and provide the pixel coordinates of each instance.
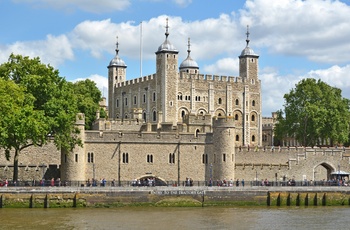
(135, 100)
(253, 118)
(237, 137)
(154, 96)
(253, 138)
(253, 103)
(144, 116)
(237, 102)
(117, 103)
(154, 116)
(220, 101)
(236, 117)
(183, 113)
(144, 98)
(197, 131)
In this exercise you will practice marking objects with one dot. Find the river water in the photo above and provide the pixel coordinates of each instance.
(177, 218)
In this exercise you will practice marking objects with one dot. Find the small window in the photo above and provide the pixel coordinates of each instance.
(149, 158)
(253, 118)
(125, 158)
(171, 158)
(237, 102)
(76, 157)
(220, 101)
(253, 138)
(154, 96)
(224, 157)
(236, 117)
(253, 103)
(237, 137)
(144, 98)
(126, 101)
(117, 103)
(135, 100)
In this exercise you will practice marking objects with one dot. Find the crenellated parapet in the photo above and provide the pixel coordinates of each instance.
(136, 81)
(209, 77)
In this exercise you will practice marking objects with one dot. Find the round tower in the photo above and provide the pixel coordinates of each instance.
(223, 148)
(73, 163)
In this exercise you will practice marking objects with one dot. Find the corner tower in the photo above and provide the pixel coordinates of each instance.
(116, 74)
(167, 81)
(251, 104)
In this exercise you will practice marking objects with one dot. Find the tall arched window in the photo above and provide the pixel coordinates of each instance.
(253, 118)
(154, 116)
(236, 117)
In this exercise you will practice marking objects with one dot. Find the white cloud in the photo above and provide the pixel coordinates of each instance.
(225, 66)
(318, 30)
(274, 86)
(54, 50)
(183, 3)
(92, 6)
(101, 82)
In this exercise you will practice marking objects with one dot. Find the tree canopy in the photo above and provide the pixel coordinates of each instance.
(314, 114)
(35, 103)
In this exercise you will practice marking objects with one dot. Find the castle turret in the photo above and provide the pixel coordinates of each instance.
(167, 82)
(248, 71)
(223, 157)
(116, 74)
(73, 163)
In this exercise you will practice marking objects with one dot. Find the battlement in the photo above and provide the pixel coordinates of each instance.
(136, 80)
(319, 151)
(118, 124)
(209, 77)
(146, 137)
(223, 122)
(198, 119)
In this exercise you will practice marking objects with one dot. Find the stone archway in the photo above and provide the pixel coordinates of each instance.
(150, 180)
(322, 171)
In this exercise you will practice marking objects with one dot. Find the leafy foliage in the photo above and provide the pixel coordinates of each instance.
(314, 113)
(35, 102)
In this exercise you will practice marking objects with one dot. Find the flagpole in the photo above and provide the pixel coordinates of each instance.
(140, 49)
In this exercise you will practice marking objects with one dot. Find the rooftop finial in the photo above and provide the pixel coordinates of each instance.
(166, 27)
(117, 45)
(247, 40)
(189, 47)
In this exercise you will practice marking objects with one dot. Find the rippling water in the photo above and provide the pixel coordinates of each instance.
(177, 218)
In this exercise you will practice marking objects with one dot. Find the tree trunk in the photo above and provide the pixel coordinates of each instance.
(15, 165)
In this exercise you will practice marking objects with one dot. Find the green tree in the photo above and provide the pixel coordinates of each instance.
(314, 113)
(48, 107)
(88, 98)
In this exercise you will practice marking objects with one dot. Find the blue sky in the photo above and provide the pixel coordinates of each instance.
(295, 39)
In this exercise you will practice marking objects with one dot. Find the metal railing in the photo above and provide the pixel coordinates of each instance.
(145, 183)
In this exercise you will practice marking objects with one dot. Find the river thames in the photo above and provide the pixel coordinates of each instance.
(177, 218)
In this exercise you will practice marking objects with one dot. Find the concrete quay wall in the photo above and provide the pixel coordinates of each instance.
(51, 197)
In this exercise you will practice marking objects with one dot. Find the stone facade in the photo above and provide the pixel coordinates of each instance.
(178, 124)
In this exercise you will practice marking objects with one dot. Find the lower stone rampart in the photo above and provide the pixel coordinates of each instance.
(196, 196)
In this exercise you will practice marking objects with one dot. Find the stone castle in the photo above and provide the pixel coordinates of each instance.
(178, 124)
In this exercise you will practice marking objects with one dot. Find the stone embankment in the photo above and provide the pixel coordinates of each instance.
(50, 197)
